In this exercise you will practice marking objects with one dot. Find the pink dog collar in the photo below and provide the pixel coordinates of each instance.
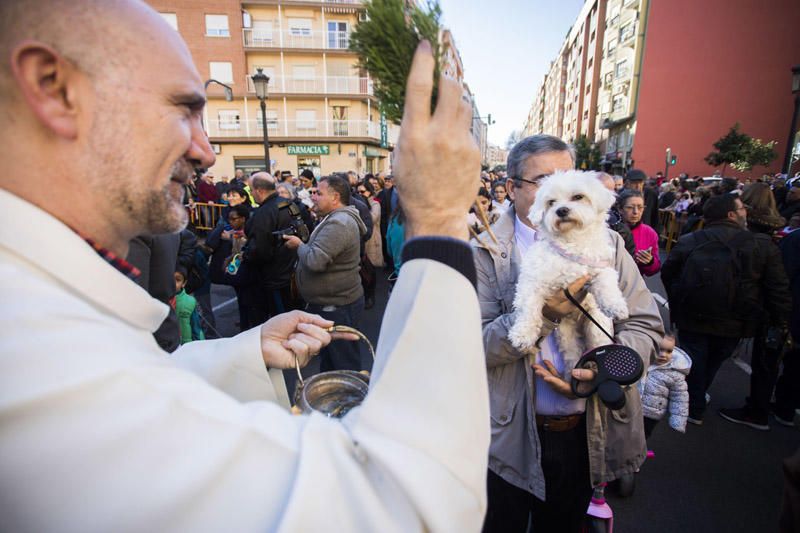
(575, 258)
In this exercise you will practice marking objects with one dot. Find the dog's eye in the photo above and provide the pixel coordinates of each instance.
(551, 203)
(577, 197)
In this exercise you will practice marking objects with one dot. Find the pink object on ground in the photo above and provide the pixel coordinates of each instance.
(599, 509)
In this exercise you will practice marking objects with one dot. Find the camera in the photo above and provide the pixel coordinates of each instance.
(278, 235)
(296, 229)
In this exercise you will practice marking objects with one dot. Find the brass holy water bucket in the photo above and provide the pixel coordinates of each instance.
(336, 392)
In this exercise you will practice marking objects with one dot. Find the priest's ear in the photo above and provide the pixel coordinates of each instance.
(49, 85)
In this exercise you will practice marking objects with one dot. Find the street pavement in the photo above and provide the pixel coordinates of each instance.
(716, 477)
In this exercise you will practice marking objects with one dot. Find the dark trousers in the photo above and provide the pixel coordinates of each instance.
(267, 303)
(764, 363)
(565, 462)
(338, 355)
(787, 389)
(708, 352)
(649, 425)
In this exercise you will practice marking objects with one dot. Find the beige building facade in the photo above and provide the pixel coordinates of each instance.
(321, 113)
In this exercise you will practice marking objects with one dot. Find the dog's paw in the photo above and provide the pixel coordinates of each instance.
(520, 338)
(616, 309)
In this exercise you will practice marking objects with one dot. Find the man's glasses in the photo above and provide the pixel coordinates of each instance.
(536, 182)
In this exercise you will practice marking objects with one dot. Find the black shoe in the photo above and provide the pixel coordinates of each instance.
(745, 417)
(696, 420)
(784, 417)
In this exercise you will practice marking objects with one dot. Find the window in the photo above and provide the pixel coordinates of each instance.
(588, 88)
(172, 19)
(338, 36)
(612, 45)
(228, 119)
(590, 63)
(300, 27)
(306, 119)
(217, 26)
(262, 32)
(626, 32)
(272, 120)
(607, 79)
(304, 72)
(614, 21)
(618, 104)
(221, 71)
(621, 69)
(339, 116)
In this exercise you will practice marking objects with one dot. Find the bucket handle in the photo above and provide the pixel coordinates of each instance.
(337, 329)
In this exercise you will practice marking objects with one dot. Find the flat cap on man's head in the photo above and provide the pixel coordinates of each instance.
(635, 174)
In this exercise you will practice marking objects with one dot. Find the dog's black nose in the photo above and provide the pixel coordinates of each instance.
(562, 211)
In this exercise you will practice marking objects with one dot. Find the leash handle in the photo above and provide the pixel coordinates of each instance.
(586, 314)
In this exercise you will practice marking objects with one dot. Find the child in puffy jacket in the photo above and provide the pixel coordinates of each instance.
(665, 388)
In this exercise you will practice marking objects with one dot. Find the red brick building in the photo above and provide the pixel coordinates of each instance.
(708, 65)
(647, 75)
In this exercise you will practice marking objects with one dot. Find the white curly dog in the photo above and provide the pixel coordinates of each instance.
(572, 240)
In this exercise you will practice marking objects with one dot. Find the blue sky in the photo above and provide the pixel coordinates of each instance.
(506, 47)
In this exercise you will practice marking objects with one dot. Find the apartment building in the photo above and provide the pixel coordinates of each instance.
(496, 156)
(321, 113)
(619, 73)
(640, 76)
(555, 95)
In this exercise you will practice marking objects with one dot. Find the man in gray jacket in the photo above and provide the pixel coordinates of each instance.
(549, 448)
(327, 270)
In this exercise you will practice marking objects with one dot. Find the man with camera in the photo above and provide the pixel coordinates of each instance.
(269, 260)
(327, 269)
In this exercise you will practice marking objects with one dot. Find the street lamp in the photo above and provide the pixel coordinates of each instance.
(226, 88)
(787, 160)
(261, 80)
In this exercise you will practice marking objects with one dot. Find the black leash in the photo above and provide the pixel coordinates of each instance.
(587, 315)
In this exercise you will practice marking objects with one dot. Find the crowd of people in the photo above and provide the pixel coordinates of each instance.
(707, 322)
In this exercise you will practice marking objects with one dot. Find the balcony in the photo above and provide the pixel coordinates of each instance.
(317, 85)
(219, 129)
(296, 38)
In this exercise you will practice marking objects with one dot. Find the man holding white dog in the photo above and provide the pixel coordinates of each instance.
(549, 448)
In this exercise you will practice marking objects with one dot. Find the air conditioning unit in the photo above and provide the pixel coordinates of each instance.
(362, 16)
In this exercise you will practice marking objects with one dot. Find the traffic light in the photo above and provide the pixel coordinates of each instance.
(673, 159)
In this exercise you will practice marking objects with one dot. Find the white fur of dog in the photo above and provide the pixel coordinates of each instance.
(572, 240)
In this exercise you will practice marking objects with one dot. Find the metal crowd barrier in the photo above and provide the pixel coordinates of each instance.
(672, 226)
(204, 216)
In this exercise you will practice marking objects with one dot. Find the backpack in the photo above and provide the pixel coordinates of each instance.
(709, 285)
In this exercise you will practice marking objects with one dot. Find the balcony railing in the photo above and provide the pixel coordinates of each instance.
(293, 128)
(348, 2)
(296, 38)
(317, 85)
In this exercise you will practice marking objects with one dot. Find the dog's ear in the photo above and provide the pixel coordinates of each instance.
(602, 198)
